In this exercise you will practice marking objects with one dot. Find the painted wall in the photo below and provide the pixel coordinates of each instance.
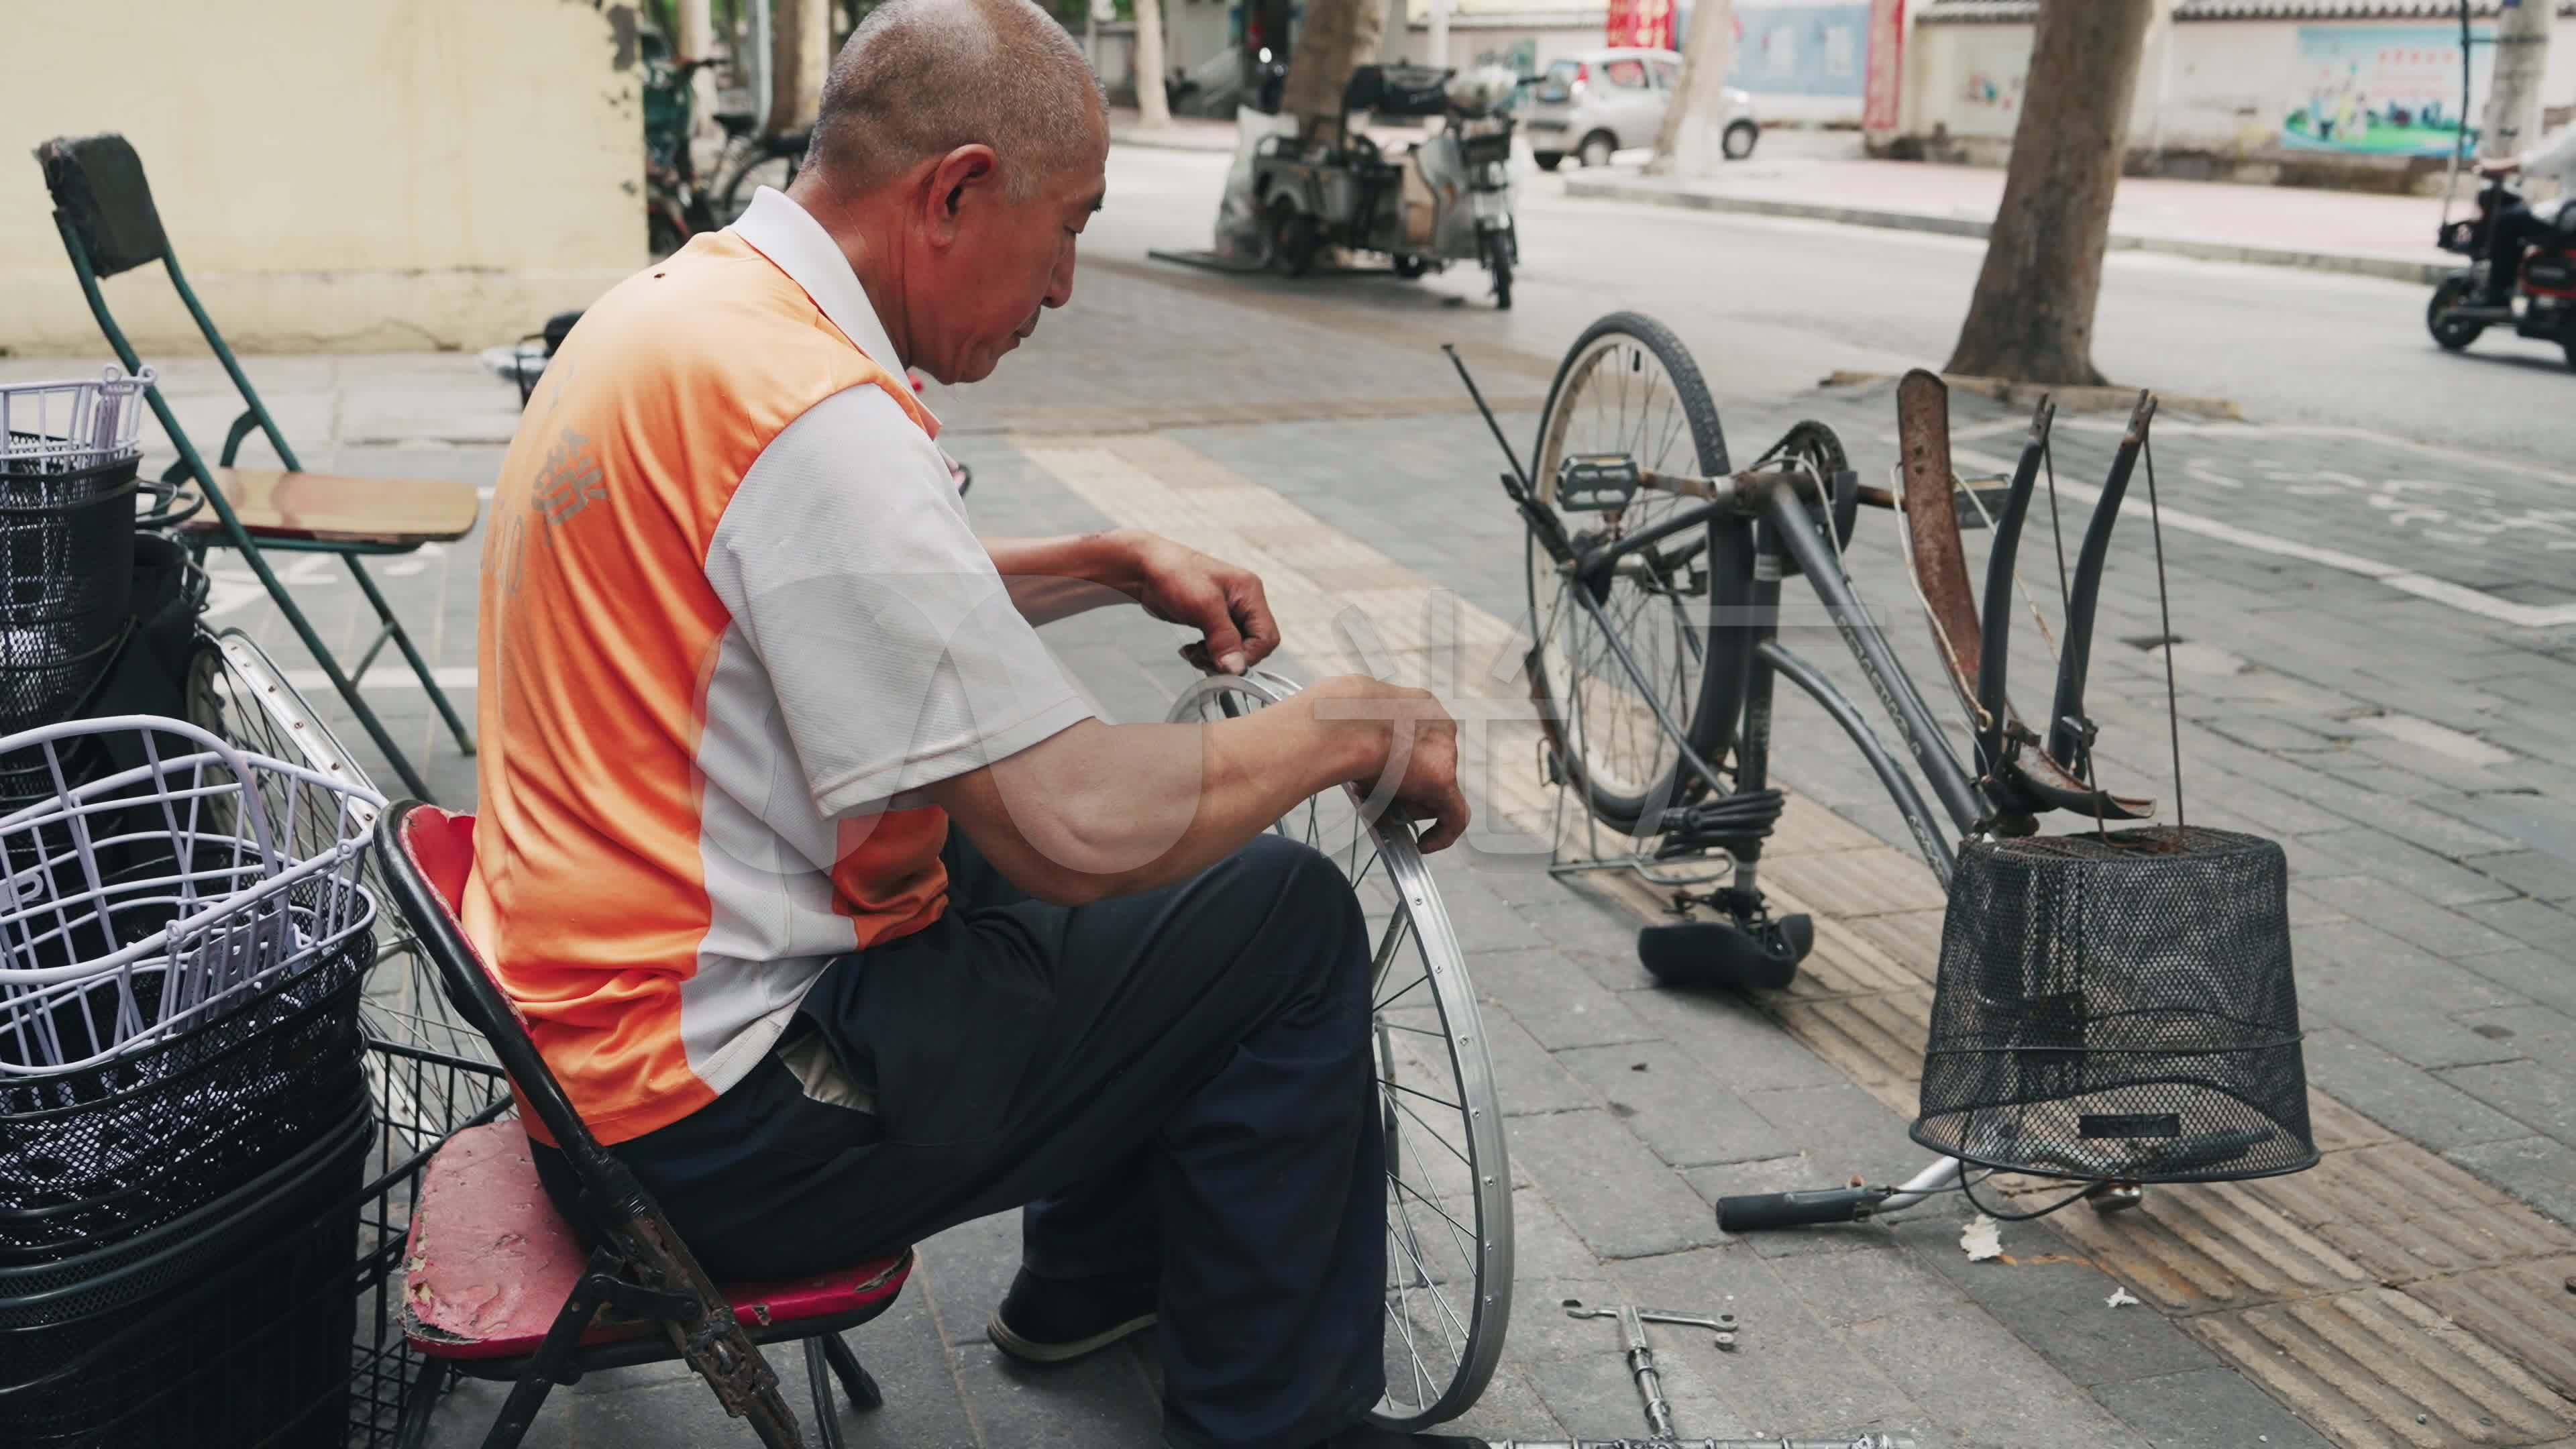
(1802, 59)
(335, 175)
(2367, 95)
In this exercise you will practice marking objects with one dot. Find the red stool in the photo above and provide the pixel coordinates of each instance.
(497, 1284)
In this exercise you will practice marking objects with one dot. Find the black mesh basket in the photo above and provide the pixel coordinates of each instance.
(67, 544)
(227, 1329)
(2118, 1008)
(50, 672)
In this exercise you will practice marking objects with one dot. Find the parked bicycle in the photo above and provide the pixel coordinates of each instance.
(676, 207)
(754, 159)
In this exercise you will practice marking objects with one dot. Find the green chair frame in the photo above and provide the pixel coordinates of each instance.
(103, 208)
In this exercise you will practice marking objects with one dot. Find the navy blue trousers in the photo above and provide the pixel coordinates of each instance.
(1177, 1082)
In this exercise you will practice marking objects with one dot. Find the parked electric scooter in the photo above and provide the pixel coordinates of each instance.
(1446, 199)
(2543, 303)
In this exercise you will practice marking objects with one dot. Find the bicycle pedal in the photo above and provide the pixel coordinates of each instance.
(1761, 955)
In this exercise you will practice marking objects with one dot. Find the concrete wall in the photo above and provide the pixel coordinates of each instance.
(338, 175)
(2212, 99)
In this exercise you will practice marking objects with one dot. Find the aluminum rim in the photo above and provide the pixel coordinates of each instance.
(1617, 397)
(1449, 1205)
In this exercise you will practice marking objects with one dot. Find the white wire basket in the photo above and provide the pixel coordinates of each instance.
(167, 893)
(54, 427)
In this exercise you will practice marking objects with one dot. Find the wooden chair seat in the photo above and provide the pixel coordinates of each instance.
(329, 508)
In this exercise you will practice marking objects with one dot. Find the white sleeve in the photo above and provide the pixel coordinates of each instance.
(2553, 159)
(893, 647)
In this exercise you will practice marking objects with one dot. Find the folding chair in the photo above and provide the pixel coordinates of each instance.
(103, 208)
(498, 1285)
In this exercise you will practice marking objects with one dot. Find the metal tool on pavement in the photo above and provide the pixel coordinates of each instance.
(1862, 1441)
(1641, 1354)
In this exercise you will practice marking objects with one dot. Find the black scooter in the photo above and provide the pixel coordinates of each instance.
(2544, 299)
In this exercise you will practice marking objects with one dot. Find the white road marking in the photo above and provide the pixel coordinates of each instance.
(2441, 591)
(2440, 739)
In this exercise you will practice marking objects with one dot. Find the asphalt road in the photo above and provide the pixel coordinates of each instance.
(1770, 306)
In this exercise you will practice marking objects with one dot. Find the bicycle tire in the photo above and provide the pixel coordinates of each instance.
(1711, 701)
(1435, 1092)
(740, 187)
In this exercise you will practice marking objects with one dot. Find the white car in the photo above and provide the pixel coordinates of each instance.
(1591, 105)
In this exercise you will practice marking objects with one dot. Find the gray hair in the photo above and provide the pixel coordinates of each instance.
(920, 78)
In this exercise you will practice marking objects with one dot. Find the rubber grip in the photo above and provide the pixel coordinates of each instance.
(1757, 1211)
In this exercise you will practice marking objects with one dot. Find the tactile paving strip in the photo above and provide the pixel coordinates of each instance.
(2376, 1367)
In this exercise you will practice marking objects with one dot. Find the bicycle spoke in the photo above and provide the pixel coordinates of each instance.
(1431, 1285)
(1420, 980)
(1417, 1092)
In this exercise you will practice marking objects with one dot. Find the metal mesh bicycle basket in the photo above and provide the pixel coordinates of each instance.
(69, 455)
(159, 898)
(2118, 1007)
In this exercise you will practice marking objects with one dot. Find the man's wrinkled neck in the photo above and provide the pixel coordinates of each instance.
(867, 241)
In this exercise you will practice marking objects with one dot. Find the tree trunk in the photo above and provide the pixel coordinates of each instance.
(2512, 124)
(1153, 109)
(800, 49)
(1339, 36)
(696, 40)
(2032, 317)
(1692, 141)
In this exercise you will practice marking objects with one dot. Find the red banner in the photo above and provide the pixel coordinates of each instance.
(1882, 110)
(1646, 24)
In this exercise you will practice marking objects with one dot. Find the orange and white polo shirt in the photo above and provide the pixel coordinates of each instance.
(734, 622)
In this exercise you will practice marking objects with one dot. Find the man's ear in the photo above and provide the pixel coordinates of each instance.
(955, 182)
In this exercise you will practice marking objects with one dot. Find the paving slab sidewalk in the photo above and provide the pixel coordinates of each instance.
(2385, 236)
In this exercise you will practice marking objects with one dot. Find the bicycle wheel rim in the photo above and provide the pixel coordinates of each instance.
(1627, 386)
(1449, 1226)
(760, 171)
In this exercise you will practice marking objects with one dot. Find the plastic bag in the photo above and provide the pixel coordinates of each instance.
(1238, 220)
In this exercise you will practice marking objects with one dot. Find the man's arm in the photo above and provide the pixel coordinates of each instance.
(1056, 578)
(1103, 810)
(2553, 159)
(1053, 578)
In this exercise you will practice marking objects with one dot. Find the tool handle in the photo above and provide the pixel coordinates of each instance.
(1857, 1441)
(1755, 1212)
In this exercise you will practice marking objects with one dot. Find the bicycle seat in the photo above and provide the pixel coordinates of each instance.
(737, 124)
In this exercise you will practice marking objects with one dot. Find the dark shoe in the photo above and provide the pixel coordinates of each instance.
(1051, 1320)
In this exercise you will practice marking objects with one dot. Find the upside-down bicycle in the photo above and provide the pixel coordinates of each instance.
(1655, 573)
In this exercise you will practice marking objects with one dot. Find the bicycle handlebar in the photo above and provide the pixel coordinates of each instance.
(1757, 1212)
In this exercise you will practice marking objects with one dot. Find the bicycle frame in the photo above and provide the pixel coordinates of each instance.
(2004, 790)
(1777, 497)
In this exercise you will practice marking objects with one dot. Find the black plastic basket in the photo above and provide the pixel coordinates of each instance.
(227, 1329)
(2118, 1007)
(98, 1155)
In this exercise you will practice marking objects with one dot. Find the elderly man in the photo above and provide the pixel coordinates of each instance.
(839, 914)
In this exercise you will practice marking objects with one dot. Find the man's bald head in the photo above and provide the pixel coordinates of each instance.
(920, 78)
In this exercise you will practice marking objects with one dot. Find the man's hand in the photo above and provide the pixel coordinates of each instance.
(1408, 754)
(1181, 585)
